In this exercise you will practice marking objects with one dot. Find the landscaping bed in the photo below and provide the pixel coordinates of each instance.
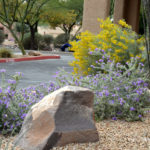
(114, 135)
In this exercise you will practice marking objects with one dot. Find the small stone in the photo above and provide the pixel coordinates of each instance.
(62, 117)
(34, 53)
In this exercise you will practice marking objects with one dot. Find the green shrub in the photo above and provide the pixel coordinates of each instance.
(48, 39)
(5, 53)
(2, 36)
(41, 42)
(60, 40)
(121, 93)
(27, 40)
(117, 40)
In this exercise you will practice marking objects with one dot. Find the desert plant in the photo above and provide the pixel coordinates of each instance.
(14, 104)
(41, 42)
(27, 40)
(2, 36)
(5, 53)
(48, 39)
(119, 41)
(60, 40)
(121, 91)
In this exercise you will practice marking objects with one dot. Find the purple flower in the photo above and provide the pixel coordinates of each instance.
(101, 60)
(96, 49)
(106, 93)
(111, 79)
(6, 123)
(104, 79)
(117, 65)
(119, 113)
(129, 73)
(140, 116)
(113, 95)
(126, 87)
(23, 116)
(11, 81)
(1, 102)
(145, 84)
(137, 99)
(11, 127)
(2, 70)
(109, 61)
(0, 90)
(139, 82)
(8, 90)
(102, 50)
(128, 96)
(121, 101)
(97, 102)
(139, 91)
(92, 66)
(134, 83)
(114, 118)
(117, 88)
(103, 57)
(100, 94)
(141, 64)
(19, 74)
(111, 102)
(90, 52)
(117, 74)
(105, 87)
(132, 108)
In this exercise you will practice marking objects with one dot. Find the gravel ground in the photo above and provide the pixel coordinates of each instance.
(114, 135)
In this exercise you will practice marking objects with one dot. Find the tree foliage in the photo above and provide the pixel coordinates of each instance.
(64, 14)
(12, 11)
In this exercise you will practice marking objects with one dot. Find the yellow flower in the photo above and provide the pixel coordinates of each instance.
(123, 24)
(120, 43)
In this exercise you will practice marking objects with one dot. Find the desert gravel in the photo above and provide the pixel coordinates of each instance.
(114, 135)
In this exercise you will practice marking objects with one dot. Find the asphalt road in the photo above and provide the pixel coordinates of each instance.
(38, 71)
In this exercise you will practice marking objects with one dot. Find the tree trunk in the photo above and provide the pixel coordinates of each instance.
(19, 42)
(146, 7)
(33, 31)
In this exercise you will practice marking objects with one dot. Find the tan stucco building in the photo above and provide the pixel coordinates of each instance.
(129, 10)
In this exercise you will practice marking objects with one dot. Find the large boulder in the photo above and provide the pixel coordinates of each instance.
(62, 117)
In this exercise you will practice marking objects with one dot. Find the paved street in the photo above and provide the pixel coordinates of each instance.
(39, 71)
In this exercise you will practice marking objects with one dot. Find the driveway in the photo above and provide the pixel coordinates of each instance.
(39, 71)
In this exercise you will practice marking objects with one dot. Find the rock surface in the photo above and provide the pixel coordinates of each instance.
(34, 53)
(62, 117)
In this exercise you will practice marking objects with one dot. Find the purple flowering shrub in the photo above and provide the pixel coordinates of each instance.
(14, 104)
(121, 91)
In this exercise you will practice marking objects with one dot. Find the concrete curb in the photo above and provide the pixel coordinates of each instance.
(5, 60)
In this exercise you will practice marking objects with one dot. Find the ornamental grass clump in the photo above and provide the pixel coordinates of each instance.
(121, 91)
(119, 41)
(5, 53)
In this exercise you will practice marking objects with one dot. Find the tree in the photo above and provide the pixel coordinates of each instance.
(33, 19)
(64, 14)
(146, 21)
(18, 11)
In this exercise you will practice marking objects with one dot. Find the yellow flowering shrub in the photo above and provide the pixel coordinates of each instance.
(119, 41)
